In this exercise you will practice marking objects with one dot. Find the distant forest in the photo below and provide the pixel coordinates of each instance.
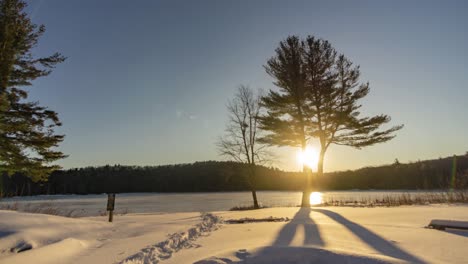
(213, 176)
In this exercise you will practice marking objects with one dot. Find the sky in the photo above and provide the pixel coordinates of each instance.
(147, 82)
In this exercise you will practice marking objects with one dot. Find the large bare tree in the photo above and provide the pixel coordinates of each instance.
(240, 141)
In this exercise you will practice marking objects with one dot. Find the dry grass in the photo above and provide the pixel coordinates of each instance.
(450, 197)
(50, 209)
(41, 208)
(9, 206)
(122, 211)
(246, 207)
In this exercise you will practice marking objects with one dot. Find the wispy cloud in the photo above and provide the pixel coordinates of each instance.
(181, 114)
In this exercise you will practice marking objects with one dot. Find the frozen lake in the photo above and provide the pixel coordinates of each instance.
(89, 205)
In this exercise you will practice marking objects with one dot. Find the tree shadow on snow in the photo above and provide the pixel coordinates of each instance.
(372, 239)
(463, 233)
(302, 218)
(295, 255)
(281, 252)
(4, 234)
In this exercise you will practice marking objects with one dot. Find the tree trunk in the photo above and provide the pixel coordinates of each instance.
(320, 166)
(307, 187)
(252, 186)
(254, 196)
(22, 189)
(1, 186)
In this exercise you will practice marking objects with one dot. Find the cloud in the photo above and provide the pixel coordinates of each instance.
(181, 114)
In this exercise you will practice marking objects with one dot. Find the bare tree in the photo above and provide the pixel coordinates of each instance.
(240, 141)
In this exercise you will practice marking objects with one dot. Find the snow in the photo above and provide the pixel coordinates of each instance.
(286, 255)
(312, 235)
(85, 240)
(373, 234)
(175, 242)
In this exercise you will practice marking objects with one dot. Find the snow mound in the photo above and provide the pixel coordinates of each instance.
(38, 237)
(295, 255)
(61, 250)
(175, 242)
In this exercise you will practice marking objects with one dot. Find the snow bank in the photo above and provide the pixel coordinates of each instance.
(34, 238)
(53, 253)
(164, 250)
(39, 238)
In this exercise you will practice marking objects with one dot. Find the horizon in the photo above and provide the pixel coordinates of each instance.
(162, 100)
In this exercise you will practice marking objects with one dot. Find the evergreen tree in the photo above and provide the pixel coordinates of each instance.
(319, 93)
(287, 108)
(334, 93)
(27, 138)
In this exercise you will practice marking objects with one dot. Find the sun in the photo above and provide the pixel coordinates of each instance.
(309, 157)
(316, 198)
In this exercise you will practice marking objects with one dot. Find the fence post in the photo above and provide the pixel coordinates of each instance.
(110, 205)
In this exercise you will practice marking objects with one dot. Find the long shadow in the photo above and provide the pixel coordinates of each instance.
(4, 234)
(372, 239)
(463, 233)
(301, 218)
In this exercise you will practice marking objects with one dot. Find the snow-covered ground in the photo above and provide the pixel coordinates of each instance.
(313, 235)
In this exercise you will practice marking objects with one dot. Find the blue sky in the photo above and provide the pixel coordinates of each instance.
(146, 82)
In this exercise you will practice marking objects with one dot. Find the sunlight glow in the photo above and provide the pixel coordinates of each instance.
(316, 198)
(309, 157)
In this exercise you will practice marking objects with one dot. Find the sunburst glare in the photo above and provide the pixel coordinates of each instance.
(309, 157)
(316, 198)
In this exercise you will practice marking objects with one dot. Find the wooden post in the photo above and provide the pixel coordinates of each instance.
(110, 205)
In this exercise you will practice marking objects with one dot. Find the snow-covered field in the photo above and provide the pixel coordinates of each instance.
(313, 235)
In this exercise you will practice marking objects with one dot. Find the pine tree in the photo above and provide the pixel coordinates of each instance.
(286, 117)
(334, 93)
(27, 138)
(318, 98)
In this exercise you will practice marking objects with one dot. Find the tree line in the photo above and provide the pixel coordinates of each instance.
(215, 176)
